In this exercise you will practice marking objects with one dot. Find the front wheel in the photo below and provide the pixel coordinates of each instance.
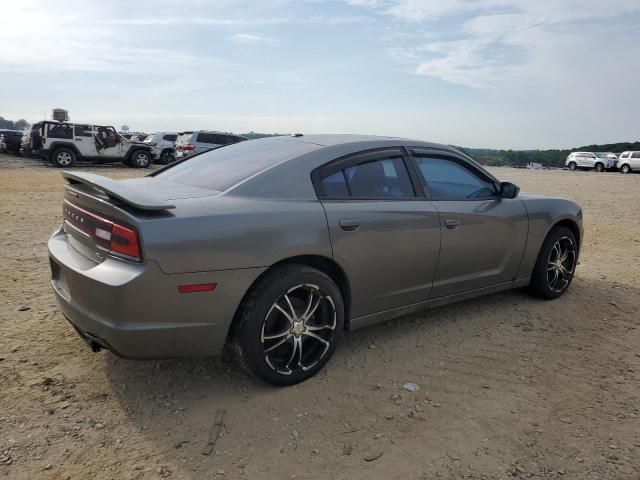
(63, 157)
(289, 325)
(573, 166)
(556, 264)
(599, 167)
(140, 159)
(625, 169)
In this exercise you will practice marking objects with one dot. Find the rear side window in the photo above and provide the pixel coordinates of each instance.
(206, 138)
(448, 180)
(335, 185)
(170, 138)
(60, 131)
(373, 179)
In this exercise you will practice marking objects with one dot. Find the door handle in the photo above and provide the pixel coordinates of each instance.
(452, 224)
(349, 225)
(78, 139)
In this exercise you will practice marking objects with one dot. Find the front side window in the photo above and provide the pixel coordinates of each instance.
(448, 180)
(170, 138)
(83, 131)
(635, 155)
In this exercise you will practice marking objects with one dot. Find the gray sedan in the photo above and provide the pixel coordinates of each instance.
(275, 247)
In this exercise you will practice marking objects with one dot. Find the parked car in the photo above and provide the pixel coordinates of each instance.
(10, 141)
(192, 143)
(64, 143)
(138, 137)
(276, 246)
(163, 146)
(629, 162)
(599, 162)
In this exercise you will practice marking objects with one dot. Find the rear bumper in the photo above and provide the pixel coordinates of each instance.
(136, 311)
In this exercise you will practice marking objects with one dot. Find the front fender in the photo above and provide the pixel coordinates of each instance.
(544, 214)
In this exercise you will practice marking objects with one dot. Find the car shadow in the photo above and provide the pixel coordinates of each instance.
(174, 402)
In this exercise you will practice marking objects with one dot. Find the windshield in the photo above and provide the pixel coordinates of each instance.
(224, 167)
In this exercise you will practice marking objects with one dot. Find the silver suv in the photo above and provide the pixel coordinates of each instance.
(599, 161)
(192, 143)
(629, 162)
(162, 146)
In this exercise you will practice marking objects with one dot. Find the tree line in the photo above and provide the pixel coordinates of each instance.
(548, 158)
(11, 125)
(486, 156)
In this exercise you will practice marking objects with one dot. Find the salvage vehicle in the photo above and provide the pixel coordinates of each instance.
(629, 162)
(64, 143)
(599, 161)
(192, 143)
(162, 146)
(10, 141)
(275, 247)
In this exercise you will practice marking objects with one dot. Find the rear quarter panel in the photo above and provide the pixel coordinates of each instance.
(231, 232)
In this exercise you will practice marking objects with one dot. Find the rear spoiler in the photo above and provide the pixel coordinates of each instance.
(113, 188)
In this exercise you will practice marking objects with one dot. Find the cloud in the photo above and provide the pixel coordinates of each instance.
(253, 39)
(500, 42)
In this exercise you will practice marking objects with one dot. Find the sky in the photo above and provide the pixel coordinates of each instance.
(475, 73)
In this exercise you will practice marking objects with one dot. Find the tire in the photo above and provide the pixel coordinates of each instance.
(166, 157)
(625, 169)
(63, 157)
(546, 269)
(266, 312)
(599, 167)
(140, 159)
(573, 166)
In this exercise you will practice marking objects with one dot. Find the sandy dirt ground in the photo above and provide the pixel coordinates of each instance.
(509, 386)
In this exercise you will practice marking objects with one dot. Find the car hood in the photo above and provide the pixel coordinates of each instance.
(169, 190)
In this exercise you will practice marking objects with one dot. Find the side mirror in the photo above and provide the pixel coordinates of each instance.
(509, 190)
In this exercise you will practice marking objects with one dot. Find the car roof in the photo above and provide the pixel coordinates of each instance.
(333, 140)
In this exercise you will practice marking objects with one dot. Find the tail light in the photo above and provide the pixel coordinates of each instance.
(188, 146)
(113, 237)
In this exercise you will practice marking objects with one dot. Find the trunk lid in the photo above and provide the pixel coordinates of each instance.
(99, 211)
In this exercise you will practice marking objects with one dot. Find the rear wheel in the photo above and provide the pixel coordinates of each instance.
(555, 265)
(63, 157)
(625, 168)
(140, 159)
(573, 166)
(289, 325)
(599, 167)
(166, 157)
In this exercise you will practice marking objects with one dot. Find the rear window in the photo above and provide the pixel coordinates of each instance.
(222, 168)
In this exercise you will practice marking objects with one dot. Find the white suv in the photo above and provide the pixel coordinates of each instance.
(599, 161)
(162, 146)
(629, 162)
(192, 143)
(62, 143)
